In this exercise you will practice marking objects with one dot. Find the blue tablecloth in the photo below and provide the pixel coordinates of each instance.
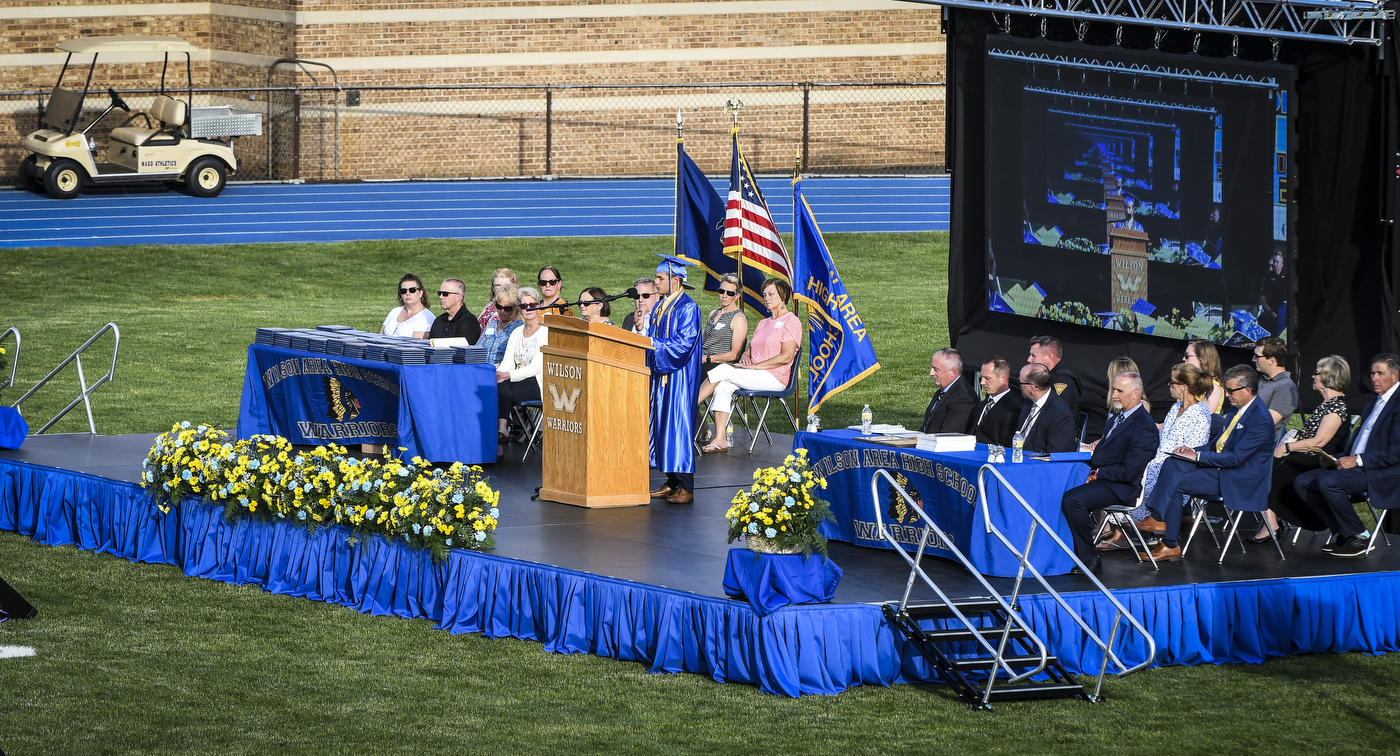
(946, 485)
(770, 582)
(443, 413)
(13, 428)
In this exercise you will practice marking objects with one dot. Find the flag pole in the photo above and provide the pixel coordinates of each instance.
(797, 399)
(734, 106)
(676, 187)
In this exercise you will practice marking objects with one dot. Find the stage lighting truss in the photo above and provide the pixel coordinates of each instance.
(1312, 20)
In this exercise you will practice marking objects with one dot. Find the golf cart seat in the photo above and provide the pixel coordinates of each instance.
(168, 111)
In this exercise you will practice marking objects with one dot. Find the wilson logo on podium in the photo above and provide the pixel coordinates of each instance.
(565, 403)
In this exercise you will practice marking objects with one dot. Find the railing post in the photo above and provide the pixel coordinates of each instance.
(296, 134)
(548, 130)
(806, 121)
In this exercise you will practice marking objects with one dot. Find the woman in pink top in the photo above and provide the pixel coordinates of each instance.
(765, 367)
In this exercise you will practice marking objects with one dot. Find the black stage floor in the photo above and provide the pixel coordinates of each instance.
(683, 546)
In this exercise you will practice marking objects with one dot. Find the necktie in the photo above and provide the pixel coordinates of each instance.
(985, 409)
(1030, 419)
(1114, 426)
(1365, 434)
(1220, 445)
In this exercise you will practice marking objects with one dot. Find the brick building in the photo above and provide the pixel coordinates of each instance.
(510, 124)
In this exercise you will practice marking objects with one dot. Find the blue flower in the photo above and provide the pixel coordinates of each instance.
(403, 472)
(789, 501)
(150, 477)
(753, 527)
(366, 486)
(416, 529)
(770, 533)
(166, 485)
(448, 542)
(495, 513)
(301, 515)
(243, 500)
(186, 475)
(794, 477)
(185, 424)
(480, 535)
(145, 463)
(306, 488)
(369, 514)
(253, 464)
(753, 507)
(457, 498)
(202, 427)
(299, 459)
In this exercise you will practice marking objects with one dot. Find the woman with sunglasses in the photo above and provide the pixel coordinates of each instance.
(595, 313)
(411, 317)
(551, 283)
(501, 277)
(520, 373)
(498, 331)
(726, 329)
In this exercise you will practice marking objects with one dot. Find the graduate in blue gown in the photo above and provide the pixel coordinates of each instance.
(675, 380)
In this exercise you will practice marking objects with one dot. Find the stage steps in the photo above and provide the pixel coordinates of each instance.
(945, 650)
(982, 646)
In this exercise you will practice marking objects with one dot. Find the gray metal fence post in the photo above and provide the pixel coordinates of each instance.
(548, 131)
(806, 120)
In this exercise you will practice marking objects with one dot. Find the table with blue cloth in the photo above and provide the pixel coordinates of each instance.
(946, 487)
(442, 413)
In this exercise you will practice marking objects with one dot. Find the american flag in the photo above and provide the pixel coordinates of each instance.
(748, 226)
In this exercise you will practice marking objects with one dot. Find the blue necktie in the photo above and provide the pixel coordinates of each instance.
(1116, 420)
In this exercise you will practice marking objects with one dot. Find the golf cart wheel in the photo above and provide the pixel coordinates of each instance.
(27, 182)
(64, 179)
(206, 177)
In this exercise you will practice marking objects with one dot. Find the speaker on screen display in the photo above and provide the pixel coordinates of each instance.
(13, 605)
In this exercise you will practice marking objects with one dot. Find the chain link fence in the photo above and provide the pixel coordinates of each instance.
(320, 133)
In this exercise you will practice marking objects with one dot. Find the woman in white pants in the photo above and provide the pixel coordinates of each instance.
(766, 366)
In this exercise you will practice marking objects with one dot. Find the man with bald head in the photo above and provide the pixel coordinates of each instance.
(1128, 444)
(954, 401)
(1045, 423)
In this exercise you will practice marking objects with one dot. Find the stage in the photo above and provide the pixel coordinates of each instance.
(644, 583)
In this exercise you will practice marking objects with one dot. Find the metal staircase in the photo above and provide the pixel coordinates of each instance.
(981, 646)
(76, 358)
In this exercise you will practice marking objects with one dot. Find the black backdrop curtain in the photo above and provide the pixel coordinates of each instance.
(1347, 187)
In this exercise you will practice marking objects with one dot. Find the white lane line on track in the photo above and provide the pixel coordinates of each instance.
(14, 652)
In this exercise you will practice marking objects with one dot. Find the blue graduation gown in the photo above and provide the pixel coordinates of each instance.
(675, 381)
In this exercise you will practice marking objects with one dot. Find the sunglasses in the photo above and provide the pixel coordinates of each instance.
(506, 308)
(1233, 390)
(449, 293)
(646, 296)
(728, 293)
(409, 290)
(552, 282)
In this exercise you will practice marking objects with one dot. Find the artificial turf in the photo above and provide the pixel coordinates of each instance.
(137, 658)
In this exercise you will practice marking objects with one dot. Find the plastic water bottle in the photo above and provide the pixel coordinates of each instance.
(729, 433)
(814, 424)
(1018, 442)
(865, 419)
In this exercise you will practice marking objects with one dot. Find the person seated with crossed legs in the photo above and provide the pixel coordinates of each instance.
(1121, 455)
(1234, 465)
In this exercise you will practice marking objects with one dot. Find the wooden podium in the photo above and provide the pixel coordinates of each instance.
(596, 400)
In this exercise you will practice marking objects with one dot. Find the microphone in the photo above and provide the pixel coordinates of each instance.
(631, 293)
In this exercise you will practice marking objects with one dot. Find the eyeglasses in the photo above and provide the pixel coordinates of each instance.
(506, 308)
(728, 293)
(1233, 390)
(551, 282)
(409, 290)
(1175, 383)
(647, 296)
(1257, 357)
(449, 293)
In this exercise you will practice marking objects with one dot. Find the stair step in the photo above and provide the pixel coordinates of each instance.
(959, 634)
(968, 607)
(985, 662)
(1036, 690)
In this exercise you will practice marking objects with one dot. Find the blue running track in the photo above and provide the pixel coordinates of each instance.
(440, 210)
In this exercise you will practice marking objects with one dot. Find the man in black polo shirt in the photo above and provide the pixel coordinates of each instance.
(456, 321)
(1046, 350)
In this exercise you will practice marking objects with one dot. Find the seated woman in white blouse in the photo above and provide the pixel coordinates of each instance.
(520, 374)
(412, 317)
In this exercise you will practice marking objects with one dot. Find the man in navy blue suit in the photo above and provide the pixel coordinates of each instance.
(1045, 424)
(1128, 443)
(1236, 464)
(1372, 466)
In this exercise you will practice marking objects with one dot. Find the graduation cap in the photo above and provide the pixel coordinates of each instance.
(675, 266)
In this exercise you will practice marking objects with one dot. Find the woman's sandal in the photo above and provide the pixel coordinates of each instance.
(712, 449)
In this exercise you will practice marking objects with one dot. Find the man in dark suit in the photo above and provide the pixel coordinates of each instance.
(993, 421)
(1045, 423)
(1128, 443)
(1236, 463)
(953, 402)
(636, 321)
(1372, 465)
(1046, 350)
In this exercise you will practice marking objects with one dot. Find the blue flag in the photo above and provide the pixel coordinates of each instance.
(699, 228)
(840, 352)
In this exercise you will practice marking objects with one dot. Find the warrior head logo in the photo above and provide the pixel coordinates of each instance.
(341, 404)
(897, 509)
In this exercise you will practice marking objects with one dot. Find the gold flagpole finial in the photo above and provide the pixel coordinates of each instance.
(733, 106)
(797, 164)
(680, 125)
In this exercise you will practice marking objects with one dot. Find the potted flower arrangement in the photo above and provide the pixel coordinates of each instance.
(780, 512)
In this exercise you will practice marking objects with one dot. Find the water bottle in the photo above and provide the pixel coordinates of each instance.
(729, 433)
(1018, 442)
(814, 424)
(865, 419)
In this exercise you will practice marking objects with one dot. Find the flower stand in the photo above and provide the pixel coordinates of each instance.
(772, 581)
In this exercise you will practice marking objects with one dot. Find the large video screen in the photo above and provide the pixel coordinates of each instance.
(1138, 192)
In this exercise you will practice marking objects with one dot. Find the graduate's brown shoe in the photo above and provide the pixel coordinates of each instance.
(662, 492)
(681, 497)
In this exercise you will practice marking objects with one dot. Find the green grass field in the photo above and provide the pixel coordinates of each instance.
(140, 659)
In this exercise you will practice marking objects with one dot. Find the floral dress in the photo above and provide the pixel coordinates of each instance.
(1189, 428)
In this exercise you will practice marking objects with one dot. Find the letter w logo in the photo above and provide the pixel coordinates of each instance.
(1128, 283)
(564, 403)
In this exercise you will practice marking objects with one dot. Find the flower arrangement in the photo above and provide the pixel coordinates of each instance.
(779, 511)
(266, 477)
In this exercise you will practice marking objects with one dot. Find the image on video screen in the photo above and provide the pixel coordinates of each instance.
(1135, 192)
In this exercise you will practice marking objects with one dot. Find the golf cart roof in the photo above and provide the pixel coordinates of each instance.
(92, 45)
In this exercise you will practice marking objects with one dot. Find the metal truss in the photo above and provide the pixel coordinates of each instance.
(1355, 22)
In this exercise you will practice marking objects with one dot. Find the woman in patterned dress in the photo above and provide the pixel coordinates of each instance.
(1326, 430)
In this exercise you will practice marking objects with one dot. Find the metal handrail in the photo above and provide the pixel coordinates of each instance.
(1024, 558)
(14, 361)
(87, 390)
(947, 544)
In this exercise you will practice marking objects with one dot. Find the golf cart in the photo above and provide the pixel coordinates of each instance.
(172, 142)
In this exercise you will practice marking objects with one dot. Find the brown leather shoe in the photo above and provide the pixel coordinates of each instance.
(681, 497)
(1164, 554)
(1151, 524)
(662, 492)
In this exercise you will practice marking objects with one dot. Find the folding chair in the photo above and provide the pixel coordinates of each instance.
(768, 397)
(1121, 511)
(1234, 526)
(530, 414)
